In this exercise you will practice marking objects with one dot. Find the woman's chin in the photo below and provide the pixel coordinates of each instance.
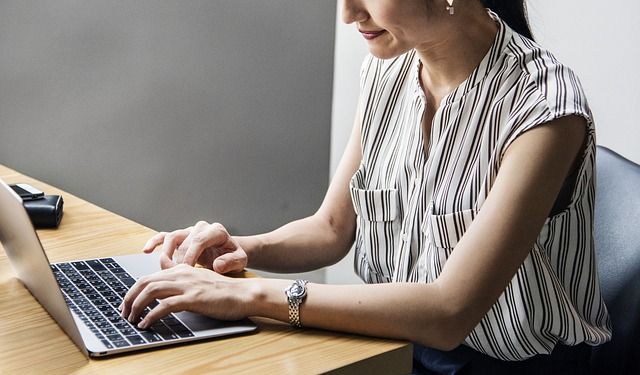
(385, 53)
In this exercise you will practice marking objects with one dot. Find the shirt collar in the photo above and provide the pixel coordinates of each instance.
(500, 42)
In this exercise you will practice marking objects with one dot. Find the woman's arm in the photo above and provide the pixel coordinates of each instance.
(443, 313)
(440, 314)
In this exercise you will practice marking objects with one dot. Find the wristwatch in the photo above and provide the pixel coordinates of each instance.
(296, 293)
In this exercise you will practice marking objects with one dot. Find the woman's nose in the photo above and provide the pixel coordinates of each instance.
(352, 12)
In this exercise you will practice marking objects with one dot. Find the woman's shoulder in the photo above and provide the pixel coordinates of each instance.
(542, 74)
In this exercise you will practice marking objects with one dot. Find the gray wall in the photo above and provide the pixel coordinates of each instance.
(171, 111)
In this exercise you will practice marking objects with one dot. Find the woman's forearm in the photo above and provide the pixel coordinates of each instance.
(299, 246)
(414, 312)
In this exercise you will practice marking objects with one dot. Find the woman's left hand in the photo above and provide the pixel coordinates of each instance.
(186, 288)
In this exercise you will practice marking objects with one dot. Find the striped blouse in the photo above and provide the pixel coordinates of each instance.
(413, 208)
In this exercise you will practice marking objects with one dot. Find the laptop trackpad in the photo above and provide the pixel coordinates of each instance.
(139, 265)
(197, 322)
(204, 326)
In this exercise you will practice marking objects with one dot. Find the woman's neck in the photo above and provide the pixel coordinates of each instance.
(448, 62)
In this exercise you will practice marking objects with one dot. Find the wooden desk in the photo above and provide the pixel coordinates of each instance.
(31, 341)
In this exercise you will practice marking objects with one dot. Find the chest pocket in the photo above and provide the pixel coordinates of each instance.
(441, 234)
(444, 231)
(377, 227)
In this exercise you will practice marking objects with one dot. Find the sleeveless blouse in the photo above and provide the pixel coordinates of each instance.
(413, 206)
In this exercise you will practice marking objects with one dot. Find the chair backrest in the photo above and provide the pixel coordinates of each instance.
(617, 237)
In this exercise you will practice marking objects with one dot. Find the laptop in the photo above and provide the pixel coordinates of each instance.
(82, 296)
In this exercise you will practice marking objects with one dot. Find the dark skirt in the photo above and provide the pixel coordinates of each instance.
(464, 360)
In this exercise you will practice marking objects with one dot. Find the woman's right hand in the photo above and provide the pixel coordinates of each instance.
(209, 245)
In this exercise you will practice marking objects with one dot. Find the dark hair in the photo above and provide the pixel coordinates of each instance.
(514, 13)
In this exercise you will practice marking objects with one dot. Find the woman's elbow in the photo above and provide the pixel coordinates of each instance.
(338, 234)
(451, 341)
(445, 338)
(450, 329)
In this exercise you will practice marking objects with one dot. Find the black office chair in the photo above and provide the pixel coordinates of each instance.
(617, 237)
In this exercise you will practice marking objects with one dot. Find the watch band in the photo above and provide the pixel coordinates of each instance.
(296, 293)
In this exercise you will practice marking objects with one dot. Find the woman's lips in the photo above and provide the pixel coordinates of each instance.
(370, 35)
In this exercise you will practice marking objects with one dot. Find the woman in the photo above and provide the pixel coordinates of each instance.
(467, 187)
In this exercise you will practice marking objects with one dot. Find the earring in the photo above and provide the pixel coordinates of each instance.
(450, 7)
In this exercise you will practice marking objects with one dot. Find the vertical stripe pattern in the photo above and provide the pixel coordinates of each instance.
(413, 206)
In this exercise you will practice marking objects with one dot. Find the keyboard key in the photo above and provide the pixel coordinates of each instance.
(169, 336)
(177, 327)
(92, 296)
(128, 331)
(151, 336)
(96, 318)
(122, 325)
(185, 333)
(121, 344)
(164, 331)
(111, 313)
(103, 324)
(171, 320)
(135, 340)
(128, 281)
(114, 300)
(95, 264)
(120, 289)
(115, 318)
(109, 294)
(108, 331)
(106, 309)
(107, 344)
(114, 338)
(64, 266)
(80, 265)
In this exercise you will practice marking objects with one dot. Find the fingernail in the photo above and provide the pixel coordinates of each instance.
(142, 325)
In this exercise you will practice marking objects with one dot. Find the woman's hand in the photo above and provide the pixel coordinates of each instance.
(185, 288)
(209, 245)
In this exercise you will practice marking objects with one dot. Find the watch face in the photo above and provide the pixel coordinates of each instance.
(297, 290)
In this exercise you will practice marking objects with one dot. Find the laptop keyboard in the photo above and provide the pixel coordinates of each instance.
(94, 289)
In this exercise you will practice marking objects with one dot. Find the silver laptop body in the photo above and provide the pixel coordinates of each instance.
(81, 320)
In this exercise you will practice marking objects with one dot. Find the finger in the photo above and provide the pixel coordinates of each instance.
(154, 290)
(234, 261)
(214, 235)
(153, 242)
(196, 233)
(165, 307)
(132, 294)
(172, 240)
(165, 262)
(178, 254)
(138, 287)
